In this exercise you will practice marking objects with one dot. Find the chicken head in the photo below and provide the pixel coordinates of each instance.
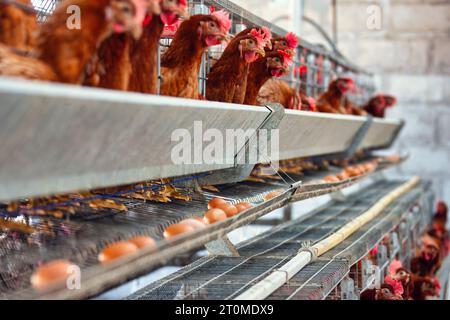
(390, 101)
(214, 29)
(172, 10)
(252, 46)
(127, 16)
(288, 43)
(278, 62)
(345, 85)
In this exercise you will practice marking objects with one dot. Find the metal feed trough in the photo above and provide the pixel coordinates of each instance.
(59, 138)
(84, 138)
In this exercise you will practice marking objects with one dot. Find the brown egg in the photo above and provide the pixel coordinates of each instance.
(117, 250)
(361, 168)
(243, 206)
(51, 273)
(215, 215)
(143, 242)
(196, 223)
(229, 209)
(214, 203)
(353, 172)
(272, 195)
(331, 179)
(177, 229)
(394, 158)
(342, 176)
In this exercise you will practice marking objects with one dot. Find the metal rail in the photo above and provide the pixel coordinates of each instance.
(59, 138)
(87, 238)
(262, 255)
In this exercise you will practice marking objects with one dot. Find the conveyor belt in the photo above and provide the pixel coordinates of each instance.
(225, 277)
(81, 240)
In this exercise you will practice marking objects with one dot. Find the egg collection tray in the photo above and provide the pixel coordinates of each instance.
(81, 239)
(216, 277)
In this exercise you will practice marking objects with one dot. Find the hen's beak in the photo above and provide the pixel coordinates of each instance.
(269, 45)
(291, 51)
(136, 32)
(224, 37)
(261, 52)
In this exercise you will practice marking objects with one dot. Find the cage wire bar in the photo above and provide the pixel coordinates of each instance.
(226, 277)
(313, 69)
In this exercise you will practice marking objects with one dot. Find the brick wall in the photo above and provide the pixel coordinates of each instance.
(410, 55)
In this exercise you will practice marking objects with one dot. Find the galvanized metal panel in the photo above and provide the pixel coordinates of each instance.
(59, 138)
(304, 134)
(381, 134)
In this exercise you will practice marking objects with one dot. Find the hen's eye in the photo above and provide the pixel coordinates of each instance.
(284, 43)
(212, 24)
(277, 60)
(251, 42)
(126, 9)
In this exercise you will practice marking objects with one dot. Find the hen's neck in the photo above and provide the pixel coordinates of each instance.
(185, 53)
(233, 62)
(334, 96)
(144, 58)
(257, 77)
(152, 32)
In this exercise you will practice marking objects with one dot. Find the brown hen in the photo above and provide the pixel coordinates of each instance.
(228, 78)
(181, 62)
(274, 64)
(18, 25)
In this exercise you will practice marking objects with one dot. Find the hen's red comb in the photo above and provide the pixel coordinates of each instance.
(301, 70)
(292, 40)
(394, 266)
(223, 18)
(183, 3)
(262, 36)
(287, 58)
(396, 285)
(348, 79)
(258, 36)
(267, 35)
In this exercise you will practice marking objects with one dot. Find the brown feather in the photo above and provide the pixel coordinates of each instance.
(181, 62)
(111, 68)
(66, 50)
(276, 91)
(331, 100)
(144, 56)
(228, 78)
(17, 27)
(15, 65)
(259, 74)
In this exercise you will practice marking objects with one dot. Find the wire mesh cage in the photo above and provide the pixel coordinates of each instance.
(44, 8)
(227, 277)
(313, 67)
